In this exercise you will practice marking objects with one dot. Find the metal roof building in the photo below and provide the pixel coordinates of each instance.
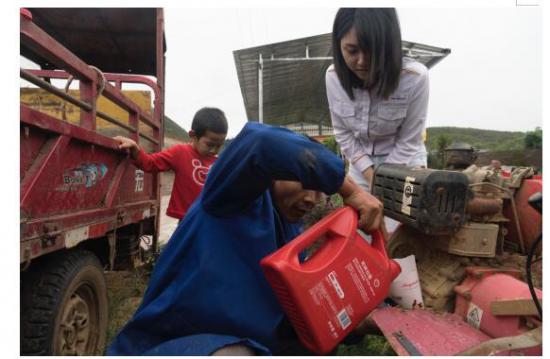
(284, 83)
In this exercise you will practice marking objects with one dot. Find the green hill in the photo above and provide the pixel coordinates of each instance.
(172, 129)
(480, 139)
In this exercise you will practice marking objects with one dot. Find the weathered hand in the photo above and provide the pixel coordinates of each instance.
(370, 209)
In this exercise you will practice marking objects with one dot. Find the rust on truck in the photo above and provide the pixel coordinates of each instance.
(75, 184)
(84, 206)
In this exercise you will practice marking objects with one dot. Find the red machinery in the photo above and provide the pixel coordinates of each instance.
(498, 303)
(83, 205)
(530, 221)
(474, 234)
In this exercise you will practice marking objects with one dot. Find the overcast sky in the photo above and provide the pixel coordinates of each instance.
(491, 79)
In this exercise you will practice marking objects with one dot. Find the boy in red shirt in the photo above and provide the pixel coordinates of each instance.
(190, 161)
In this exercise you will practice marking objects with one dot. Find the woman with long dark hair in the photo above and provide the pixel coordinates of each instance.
(378, 97)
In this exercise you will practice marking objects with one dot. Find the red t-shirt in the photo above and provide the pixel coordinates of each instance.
(190, 170)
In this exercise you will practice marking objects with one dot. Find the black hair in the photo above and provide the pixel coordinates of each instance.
(209, 119)
(378, 35)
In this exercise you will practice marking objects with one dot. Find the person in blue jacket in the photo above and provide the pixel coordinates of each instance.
(207, 294)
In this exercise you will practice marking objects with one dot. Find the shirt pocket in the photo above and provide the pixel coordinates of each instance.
(389, 117)
(344, 109)
(348, 116)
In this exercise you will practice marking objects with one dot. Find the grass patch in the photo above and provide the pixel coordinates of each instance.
(125, 290)
(370, 345)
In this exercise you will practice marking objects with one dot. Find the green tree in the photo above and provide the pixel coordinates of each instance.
(434, 161)
(533, 139)
(441, 143)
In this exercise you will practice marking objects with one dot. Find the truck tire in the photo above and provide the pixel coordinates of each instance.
(64, 306)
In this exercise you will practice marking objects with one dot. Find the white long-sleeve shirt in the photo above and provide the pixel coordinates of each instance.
(371, 126)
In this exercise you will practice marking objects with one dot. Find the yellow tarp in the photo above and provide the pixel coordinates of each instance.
(45, 102)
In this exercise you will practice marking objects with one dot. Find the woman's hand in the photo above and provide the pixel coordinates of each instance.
(370, 209)
(127, 143)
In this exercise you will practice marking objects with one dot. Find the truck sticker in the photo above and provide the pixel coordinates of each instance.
(408, 189)
(85, 175)
(474, 315)
(139, 181)
(146, 213)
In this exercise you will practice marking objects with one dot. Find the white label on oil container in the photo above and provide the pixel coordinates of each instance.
(408, 189)
(75, 236)
(326, 304)
(474, 315)
(334, 281)
(361, 278)
(344, 319)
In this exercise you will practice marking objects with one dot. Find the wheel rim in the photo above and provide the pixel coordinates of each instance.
(78, 322)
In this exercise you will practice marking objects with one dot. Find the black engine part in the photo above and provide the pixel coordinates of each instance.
(432, 201)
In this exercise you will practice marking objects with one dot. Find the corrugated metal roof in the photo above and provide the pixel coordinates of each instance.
(99, 35)
(294, 91)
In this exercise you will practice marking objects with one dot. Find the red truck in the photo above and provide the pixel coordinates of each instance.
(84, 207)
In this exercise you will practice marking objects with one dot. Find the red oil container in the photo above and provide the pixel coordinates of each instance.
(331, 292)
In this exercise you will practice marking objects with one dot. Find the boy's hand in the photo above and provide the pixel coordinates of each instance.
(127, 143)
(369, 207)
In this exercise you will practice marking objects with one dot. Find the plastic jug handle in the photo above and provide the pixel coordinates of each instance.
(378, 241)
(342, 223)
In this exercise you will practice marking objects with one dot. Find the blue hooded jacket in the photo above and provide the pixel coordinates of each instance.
(207, 289)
